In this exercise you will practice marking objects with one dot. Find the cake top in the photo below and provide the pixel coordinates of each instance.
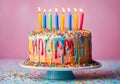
(58, 34)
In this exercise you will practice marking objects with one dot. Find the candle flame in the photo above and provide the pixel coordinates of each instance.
(63, 10)
(39, 9)
(49, 10)
(75, 9)
(56, 9)
(68, 9)
(81, 10)
(44, 10)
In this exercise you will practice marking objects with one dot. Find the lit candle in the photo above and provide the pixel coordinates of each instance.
(69, 20)
(39, 18)
(56, 20)
(49, 20)
(44, 19)
(76, 19)
(81, 18)
(63, 20)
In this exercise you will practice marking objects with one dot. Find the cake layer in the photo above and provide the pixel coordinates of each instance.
(60, 47)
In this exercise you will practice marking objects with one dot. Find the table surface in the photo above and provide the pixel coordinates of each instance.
(12, 73)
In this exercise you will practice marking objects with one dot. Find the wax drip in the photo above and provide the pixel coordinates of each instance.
(36, 45)
(35, 42)
(40, 40)
(62, 39)
(85, 45)
(72, 47)
(33, 47)
(90, 48)
(45, 45)
(82, 52)
(54, 43)
(76, 54)
(66, 42)
(51, 46)
(57, 45)
(82, 48)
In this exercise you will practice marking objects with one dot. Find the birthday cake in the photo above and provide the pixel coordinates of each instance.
(59, 46)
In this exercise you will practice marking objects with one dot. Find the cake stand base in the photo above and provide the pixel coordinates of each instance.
(58, 75)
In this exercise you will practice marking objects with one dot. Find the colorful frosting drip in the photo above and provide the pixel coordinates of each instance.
(56, 47)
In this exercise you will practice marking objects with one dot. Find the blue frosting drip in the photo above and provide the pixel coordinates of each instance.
(62, 41)
(82, 52)
(82, 48)
(45, 44)
(55, 40)
(81, 40)
(75, 52)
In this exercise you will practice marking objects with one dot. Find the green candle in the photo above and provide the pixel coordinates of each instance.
(49, 20)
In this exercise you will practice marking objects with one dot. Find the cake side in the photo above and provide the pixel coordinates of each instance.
(60, 47)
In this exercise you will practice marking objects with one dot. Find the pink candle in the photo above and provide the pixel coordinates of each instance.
(81, 18)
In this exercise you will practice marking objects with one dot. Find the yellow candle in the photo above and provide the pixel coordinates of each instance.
(76, 19)
(39, 19)
(63, 20)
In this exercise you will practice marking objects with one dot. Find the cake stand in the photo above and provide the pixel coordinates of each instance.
(62, 72)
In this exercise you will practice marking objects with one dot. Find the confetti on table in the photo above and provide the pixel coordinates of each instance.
(14, 74)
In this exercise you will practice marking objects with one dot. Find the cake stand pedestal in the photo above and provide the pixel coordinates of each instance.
(59, 75)
(61, 72)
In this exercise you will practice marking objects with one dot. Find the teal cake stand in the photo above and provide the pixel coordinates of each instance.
(57, 73)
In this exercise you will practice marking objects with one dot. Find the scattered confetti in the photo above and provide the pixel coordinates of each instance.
(17, 75)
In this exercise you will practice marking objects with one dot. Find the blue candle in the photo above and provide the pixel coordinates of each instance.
(69, 20)
(56, 20)
(44, 19)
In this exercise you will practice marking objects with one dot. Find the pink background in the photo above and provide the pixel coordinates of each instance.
(18, 17)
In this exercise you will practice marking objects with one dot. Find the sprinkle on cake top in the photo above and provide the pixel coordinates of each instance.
(58, 33)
